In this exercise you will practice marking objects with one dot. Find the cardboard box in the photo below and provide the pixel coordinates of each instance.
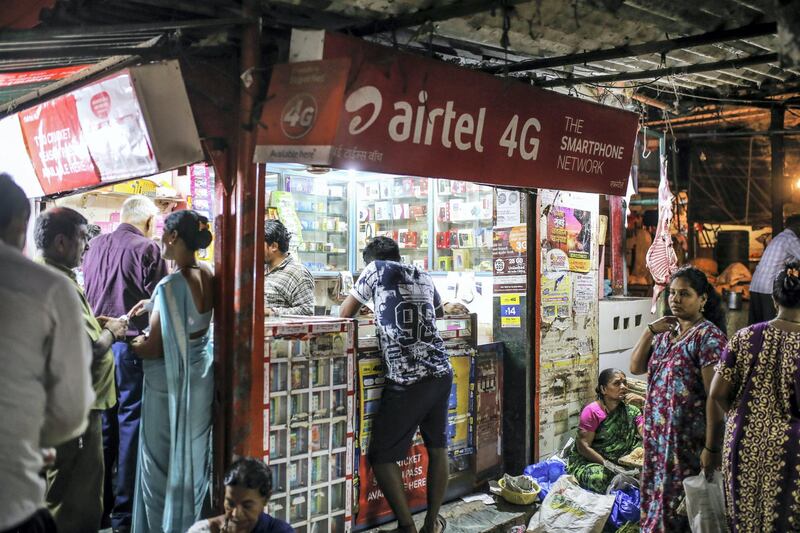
(444, 264)
(383, 211)
(444, 212)
(412, 239)
(466, 238)
(462, 260)
(418, 211)
(442, 240)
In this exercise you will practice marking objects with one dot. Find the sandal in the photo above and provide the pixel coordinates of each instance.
(439, 520)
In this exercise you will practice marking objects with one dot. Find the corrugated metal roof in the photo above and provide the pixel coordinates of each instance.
(80, 31)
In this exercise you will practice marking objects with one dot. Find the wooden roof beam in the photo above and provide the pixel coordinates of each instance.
(54, 34)
(656, 47)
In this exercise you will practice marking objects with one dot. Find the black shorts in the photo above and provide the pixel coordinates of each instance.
(403, 409)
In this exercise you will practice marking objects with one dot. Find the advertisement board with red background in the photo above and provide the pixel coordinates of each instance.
(373, 505)
(402, 113)
(56, 146)
(91, 135)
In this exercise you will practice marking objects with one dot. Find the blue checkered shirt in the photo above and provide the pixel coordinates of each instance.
(781, 250)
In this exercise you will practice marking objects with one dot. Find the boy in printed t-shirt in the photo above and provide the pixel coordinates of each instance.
(418, 375)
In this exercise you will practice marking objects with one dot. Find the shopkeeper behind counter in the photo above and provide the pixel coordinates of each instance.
(288, 285)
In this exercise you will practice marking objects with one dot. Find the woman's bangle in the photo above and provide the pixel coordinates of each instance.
(709, 450)
(650, 327)
(113, 337)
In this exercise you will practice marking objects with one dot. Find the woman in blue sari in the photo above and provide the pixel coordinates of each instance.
(172, 477)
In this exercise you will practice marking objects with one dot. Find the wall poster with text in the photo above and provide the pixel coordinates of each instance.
(570, 230)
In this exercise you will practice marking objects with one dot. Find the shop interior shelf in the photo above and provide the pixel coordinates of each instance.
(476, 221)
(417, 220)
(337, 216)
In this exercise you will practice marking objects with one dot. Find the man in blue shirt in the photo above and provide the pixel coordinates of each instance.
(784, 248)
(418, 375)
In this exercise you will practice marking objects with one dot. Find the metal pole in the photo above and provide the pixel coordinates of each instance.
(661, 72)
(657, 47)
(749, 180)
(712, 134)
(246, 367)
(777, 160)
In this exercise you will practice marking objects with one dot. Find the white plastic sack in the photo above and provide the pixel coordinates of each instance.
(705, 504)
(570, 509)
(622, 482)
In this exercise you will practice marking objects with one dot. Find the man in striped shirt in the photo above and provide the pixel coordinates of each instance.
(288, 285)
(783, 248)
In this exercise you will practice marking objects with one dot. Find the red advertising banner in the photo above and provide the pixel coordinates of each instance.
(57, 147)
(9, 79)
(372, 504)
(408, 114)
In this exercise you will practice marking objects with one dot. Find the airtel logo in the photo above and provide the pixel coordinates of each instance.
(358, 100)
(420, 122)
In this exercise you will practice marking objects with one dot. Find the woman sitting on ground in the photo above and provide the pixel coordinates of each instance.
(248, 486)
(609, 428)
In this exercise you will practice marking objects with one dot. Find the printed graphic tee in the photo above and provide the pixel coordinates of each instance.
(405, 301)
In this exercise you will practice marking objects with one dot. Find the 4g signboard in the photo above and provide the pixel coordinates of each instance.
(367, 107)
(302, 116)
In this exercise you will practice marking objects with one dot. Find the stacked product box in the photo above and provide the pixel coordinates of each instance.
(309, 417)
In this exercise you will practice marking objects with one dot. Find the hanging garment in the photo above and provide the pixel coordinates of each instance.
(661, 259)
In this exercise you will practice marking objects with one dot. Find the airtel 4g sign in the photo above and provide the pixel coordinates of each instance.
(391, 112)
(419, 123)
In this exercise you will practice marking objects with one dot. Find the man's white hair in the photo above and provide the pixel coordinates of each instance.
(137, 210)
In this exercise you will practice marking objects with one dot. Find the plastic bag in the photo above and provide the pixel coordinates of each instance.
(546, 473)
(570, 509)
(705, 504)
(627, 501)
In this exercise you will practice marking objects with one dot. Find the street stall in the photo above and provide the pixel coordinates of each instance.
(473, 189)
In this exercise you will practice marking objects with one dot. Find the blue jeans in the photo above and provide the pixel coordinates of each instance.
(121, 436)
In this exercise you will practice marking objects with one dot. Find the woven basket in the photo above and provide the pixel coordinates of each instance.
(519, 498)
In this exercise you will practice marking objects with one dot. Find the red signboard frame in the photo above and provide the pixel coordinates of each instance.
(402, 113)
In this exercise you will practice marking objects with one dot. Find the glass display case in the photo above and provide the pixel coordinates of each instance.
(396, 207)
(315, 211)
(463, 223)
(308, 422)
(440, 225)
